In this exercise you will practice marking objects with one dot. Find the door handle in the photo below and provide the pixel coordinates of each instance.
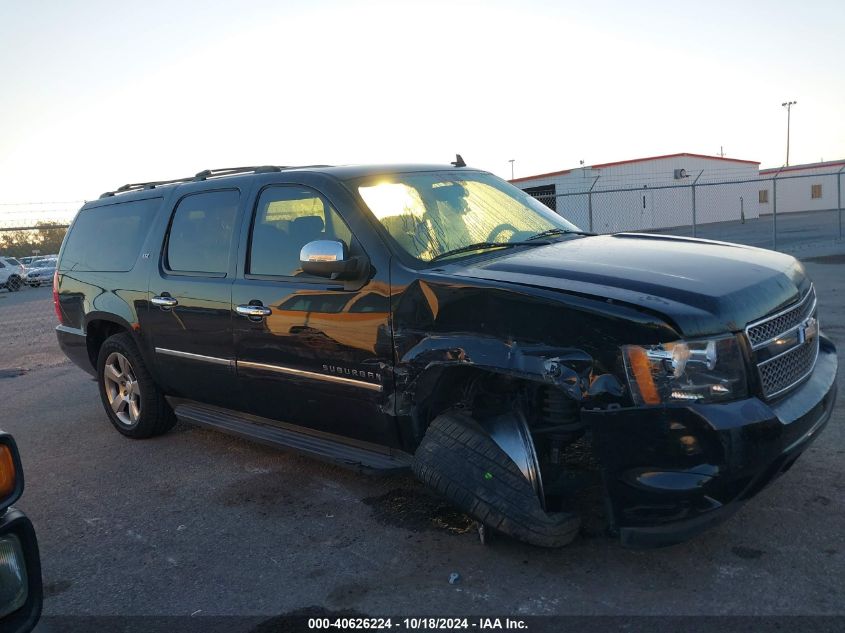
(253, 311)
(164, 301)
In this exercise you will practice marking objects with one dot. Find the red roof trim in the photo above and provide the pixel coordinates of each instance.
(682, 154)
(636, 160)
(774, 170)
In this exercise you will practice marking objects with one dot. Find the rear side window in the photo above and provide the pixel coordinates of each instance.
(108, 238)
(201, 231)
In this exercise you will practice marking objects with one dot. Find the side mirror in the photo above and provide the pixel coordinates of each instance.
(329, 258)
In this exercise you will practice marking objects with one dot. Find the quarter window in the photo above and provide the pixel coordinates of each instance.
(201, 231)
(109, 237)
(286, 219)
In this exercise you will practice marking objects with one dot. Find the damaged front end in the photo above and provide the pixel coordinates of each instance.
(525, 398)
(672, 471)
(675, 435)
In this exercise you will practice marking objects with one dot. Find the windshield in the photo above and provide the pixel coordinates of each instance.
(432, 213)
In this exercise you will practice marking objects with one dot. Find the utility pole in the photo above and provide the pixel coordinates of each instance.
(788, 105)
(511, 161)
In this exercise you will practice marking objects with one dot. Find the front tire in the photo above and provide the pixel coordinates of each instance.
(132, 400)
(14, 283)
(459, 460)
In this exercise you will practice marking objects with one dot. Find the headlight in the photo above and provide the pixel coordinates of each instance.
(686, 371)
(13, 578)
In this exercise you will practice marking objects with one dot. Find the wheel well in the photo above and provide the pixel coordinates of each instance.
(97, 333)
(552, 416)
(561, 445)
(459, 388)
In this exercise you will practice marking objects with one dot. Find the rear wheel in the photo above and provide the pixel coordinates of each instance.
(458, 459)
(134, 403)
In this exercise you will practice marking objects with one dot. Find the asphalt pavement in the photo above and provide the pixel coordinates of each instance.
(197, 523)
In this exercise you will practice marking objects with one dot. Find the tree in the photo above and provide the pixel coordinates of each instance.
(47, 238)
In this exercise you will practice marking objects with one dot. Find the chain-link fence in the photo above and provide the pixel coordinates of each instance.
(777, 210)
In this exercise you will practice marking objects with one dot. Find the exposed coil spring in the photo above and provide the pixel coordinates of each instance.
(558, 413)
(559, 422)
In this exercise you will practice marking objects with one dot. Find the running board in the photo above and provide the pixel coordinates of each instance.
(313, 443)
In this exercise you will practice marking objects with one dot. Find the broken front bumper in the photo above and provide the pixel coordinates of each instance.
(672, 472)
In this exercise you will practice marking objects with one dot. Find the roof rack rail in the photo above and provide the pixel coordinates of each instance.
(200, 176)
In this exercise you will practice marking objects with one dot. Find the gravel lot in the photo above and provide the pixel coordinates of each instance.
(196, 522)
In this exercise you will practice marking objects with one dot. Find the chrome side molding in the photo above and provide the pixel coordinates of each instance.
(279, 369)
(311, 374)
(198, 357)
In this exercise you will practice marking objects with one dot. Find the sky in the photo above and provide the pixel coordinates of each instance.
(94, 94)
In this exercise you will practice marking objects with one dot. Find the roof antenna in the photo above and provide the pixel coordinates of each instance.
(459, 162)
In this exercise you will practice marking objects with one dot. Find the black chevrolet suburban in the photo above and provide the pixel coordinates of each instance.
(439, 319)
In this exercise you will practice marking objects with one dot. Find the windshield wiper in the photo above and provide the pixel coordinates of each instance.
(556, 231)
(478, 246)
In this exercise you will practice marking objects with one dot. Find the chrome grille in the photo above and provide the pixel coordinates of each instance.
(772, 327)
(780, 370)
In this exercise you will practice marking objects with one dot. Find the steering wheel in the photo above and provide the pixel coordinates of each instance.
(499, 229)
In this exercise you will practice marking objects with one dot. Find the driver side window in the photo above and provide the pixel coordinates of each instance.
(286, 219)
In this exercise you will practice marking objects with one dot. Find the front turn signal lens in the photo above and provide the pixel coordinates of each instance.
(8, 475)
(643, 385)
(7, 472)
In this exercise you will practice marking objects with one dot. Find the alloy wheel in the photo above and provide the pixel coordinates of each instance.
(122, 389)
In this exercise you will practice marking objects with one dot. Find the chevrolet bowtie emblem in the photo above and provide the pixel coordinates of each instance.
(808, 329)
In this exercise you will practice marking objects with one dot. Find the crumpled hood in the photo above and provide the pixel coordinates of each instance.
(701, 286)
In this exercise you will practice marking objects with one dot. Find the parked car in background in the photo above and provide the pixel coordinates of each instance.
(25, 260)
(39, 262)
(21, 591)
(40, 272)
(12, 274)
(438, 318)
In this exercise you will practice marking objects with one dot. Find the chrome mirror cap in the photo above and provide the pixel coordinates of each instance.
(323, 251)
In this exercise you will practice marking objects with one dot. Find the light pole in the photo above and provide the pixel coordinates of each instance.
(788, 105)
(511, 161)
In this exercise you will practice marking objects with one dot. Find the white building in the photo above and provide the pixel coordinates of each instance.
(651, 193)
(810, 187)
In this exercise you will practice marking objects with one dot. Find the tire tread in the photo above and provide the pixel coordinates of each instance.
(454, 458)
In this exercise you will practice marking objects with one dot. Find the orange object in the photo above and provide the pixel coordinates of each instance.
(641, 368)
(8, 477)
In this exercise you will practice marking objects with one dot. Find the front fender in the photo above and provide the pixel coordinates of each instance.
(566, 368)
